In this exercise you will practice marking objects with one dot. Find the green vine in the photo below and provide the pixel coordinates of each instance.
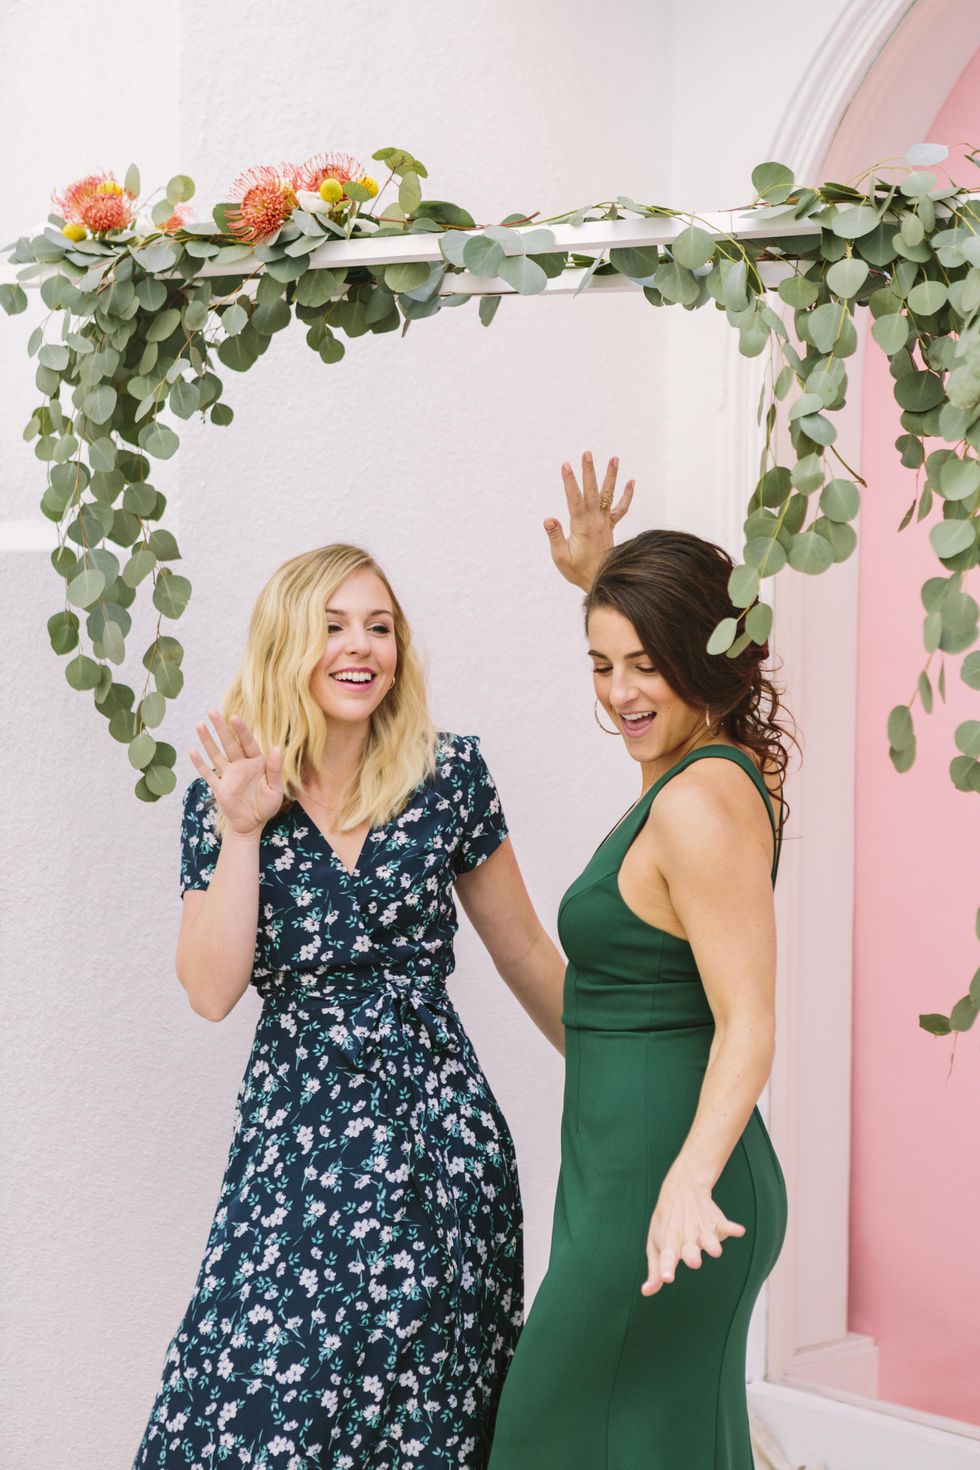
(141, 332)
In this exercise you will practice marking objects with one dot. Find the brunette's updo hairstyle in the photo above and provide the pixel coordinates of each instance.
(673, 588)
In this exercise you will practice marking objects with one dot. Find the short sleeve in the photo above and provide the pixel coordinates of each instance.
(199, 840)
(483, 824)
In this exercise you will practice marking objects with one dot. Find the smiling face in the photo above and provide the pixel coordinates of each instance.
(656, 724)
(360, 654)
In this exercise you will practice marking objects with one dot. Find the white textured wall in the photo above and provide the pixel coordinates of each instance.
(118, 1100)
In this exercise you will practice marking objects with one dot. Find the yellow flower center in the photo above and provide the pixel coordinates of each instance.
(108, 186)
(331, 190)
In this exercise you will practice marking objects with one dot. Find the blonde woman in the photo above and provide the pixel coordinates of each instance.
(361, 1290)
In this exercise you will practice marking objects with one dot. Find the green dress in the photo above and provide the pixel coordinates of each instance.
(604, 1378)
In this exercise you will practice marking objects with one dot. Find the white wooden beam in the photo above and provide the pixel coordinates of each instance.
(586, 239)
(593, 238)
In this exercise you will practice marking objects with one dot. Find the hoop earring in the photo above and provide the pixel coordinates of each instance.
(604, 728)
(707, 719)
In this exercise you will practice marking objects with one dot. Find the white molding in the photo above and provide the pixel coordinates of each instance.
(832, 80)
(867, 94)
(843, 1432)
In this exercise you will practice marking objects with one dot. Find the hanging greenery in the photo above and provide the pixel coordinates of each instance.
(145, 308)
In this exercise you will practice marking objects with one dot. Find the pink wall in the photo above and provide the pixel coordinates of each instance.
(915, 1182)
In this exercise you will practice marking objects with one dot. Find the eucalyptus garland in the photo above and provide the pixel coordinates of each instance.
(145, 311)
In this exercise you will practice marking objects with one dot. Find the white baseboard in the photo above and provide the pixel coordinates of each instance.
(826, 1430)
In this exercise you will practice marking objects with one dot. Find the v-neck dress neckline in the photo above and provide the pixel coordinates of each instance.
(331, 851)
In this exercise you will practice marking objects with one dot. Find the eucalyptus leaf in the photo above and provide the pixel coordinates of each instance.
(825, 325)
(846, 277)
(159, 441)
(693, 247)
(523, 274)
(919, 391)
(798, 291)
(483, 256)
(891, 332)
(163, 325)
(949, 538)
(405, 276)
(928, 297)
(924, 155)
(488, 309)
(962, 771)
(758, 623)
(901, 732)
(743, 586)
(171, 594)
(959, 478)
(86, 588)
(853, 222)
(916, 184)
(772, 180)
(637, 262)
(810, 553)
(840, 500)
(453, 247)
(82, 672)
(723, 636)
(765, 553)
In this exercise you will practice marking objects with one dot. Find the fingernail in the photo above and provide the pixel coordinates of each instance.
(566, 468)
(615, 462)
(588, 457)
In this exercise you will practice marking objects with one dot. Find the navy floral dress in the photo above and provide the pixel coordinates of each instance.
(361, 1290)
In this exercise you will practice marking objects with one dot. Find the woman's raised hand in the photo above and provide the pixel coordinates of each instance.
(592, 517)
(247, 785)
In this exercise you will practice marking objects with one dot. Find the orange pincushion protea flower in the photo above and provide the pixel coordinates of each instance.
(178, 219)
(340, 166)
(264, 198)
(98, 202)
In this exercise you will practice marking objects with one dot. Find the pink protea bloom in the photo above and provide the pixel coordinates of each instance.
(340, 166)
(98, 202)
(264, 198)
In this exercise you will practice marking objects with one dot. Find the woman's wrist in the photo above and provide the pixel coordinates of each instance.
(692, 1172)
(235, 838)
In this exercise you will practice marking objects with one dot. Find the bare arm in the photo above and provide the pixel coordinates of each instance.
(718, 873)
(496, 903)
(216, 943)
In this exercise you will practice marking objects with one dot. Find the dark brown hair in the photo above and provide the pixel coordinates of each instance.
(673, 588)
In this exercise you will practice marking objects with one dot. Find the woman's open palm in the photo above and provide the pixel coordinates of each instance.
(592, 519)
(247, 785)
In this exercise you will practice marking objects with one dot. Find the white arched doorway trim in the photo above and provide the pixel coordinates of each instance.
(874, 88)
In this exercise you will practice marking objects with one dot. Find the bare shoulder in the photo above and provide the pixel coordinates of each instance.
(712, 801)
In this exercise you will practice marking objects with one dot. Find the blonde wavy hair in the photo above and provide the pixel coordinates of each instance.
(272, 692)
